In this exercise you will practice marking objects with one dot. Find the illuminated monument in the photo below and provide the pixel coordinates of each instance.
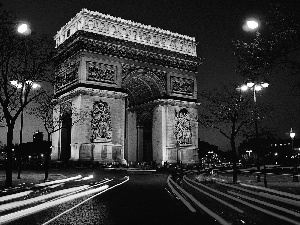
(137, 85)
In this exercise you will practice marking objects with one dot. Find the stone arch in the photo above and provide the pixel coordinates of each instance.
(143, 85)
(66, 125)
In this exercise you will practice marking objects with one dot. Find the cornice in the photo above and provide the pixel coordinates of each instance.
(99, 44)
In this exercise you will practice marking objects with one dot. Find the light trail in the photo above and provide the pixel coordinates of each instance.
(108, 188)
(185, 202)
(201, 206)
(13, 205)
(266, 204)
(219, 200)
(26, 212)
(255, 207)
(13, 196)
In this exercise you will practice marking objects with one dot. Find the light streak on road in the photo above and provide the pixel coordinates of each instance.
(201, 206)
(219, 200)
(57, 181)
(260, 209)
(26, 212)
(18, 204)
(266, 204)
(185, 202)
(74, 207)
(266, 195)
(13, 196)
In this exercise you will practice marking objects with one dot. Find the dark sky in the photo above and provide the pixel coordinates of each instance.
(214, 24)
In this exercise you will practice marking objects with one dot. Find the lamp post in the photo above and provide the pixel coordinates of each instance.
(251, 25)
(255, 86)
(24, 86)
(295, 174)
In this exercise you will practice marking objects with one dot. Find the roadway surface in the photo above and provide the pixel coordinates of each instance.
(141, 199)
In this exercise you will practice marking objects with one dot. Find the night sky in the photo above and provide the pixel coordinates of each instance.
(214, 24)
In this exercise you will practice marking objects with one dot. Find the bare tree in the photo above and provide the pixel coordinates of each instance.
(227, 111)
(53, 115)
(23, 60)
(276, 46)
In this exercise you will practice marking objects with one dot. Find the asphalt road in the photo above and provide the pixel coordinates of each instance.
(144, 199)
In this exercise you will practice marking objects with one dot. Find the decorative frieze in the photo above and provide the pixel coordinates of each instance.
(171, 102)
(107, 25)
(182, 85)
(66, 73)
(92, 92)
(158, 75)
(101, 72)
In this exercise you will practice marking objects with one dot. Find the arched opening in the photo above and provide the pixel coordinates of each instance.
(143, 86)
(65, 145)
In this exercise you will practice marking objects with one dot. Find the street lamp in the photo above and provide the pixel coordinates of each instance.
(251, 24)
(255, 86)
(295, 174)
(23, 28)
(24, 86)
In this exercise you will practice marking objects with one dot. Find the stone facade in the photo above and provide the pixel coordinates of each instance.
(135, 86)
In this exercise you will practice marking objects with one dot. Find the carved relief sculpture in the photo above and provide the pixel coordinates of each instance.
(101, 72)
(101, 122)
(66, 73)
(182, 85)
(183, 132)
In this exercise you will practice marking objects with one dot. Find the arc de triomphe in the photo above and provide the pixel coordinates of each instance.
(136, 87)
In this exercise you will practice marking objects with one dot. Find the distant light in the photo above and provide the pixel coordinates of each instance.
(244, 87)
(292, 133)
(258, 87)
(23, 28)
(275, 153)
(264, 84)
(250, 84)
